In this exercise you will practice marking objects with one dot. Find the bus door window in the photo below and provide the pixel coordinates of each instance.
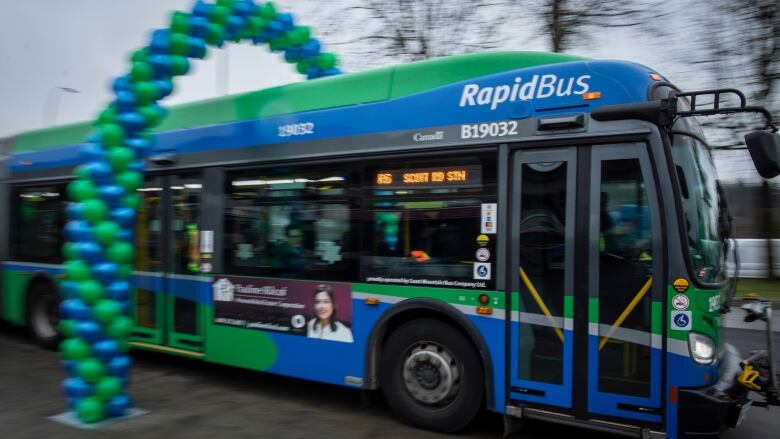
(148, 243)
(186, 197)
(625, 277)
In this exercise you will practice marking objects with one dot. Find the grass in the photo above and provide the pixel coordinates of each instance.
(765, 288)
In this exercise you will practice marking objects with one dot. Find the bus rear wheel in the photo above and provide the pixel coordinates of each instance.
(431, 376)
(43, 315)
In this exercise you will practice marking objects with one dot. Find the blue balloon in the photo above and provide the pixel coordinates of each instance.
(160, 42)
(125, 216)
(234, 25)
(286, 19)
(73, 403)
(293, 54)
(161, 65)
(201, 9)
(78, 230)
(141, 146)
(124, 307)
(106, 350)
(131, 121)
(90, 251)
(70, 367)
(100, 172)
(75, 387)
(94, 137)
(111, 194)
(125, 101)
(313, 73)
(122, 83)
(244, 8)
(164, 87)
(118, 406)
(118, 290)
(199, 26)
(311, 48)
(273, 29)
(137, 166)
(105, 272)
(89, 330)
(197, 47)
(91, 152)
(75, 211)
(126, 235)
(69, 289)
(75, 309)
(118, 366)
(331, 72)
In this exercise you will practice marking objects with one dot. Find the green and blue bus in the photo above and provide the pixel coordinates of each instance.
(538, 234)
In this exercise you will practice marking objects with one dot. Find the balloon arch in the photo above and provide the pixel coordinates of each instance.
(99, 252)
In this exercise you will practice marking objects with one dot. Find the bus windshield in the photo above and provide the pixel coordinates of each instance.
(698, 193)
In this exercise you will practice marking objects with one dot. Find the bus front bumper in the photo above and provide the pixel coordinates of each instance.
(705, 412)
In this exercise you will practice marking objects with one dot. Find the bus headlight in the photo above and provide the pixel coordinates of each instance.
(702, 348)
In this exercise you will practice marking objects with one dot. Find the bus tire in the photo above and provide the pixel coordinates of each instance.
(431, 376)
(43, 311)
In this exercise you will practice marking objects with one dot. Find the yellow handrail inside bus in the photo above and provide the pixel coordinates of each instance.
(627, 311)
(540, 302)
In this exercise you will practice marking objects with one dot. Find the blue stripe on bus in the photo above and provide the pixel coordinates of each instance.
(618, 82)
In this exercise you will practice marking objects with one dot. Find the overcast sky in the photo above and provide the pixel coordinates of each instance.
(84, 44)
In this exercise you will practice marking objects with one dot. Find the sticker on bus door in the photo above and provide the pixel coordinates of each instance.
(320, 310)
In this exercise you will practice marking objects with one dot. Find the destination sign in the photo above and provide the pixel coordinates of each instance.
(430, 177)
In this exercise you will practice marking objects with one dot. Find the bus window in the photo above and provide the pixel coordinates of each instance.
(424, 220)
(38, 217)
(296, 224)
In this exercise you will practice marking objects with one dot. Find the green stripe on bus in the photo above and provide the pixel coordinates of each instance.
(568, 307)
(448, 295)
(332, 92)
(657, 318)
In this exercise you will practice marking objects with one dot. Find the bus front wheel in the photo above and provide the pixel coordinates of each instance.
(432, 376)
(43, 314)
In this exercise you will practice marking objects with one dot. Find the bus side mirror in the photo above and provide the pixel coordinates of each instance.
(764, 149)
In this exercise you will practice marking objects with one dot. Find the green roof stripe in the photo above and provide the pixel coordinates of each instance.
(331, 92)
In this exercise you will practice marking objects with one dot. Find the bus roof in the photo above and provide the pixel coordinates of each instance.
(337, 91)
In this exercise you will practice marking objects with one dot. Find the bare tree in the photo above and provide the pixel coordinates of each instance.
(566, 21)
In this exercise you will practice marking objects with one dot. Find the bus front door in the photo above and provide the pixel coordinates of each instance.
(170, 293)
(585, 327)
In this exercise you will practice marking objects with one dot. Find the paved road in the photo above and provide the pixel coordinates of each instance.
(191, 399)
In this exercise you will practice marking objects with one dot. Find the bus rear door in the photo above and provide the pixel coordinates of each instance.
(171, 295)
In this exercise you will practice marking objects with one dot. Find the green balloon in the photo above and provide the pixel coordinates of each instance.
(95, 211)
(107, 116)
(125, 271)
(303, 66)
(77, 270)
(180, 22)
(130, 180)
(113, 134)
(152, 114)
(82, 190)
(220, 14)
(91, 291)
(215, 34)
(121, 252)
(120, 328)
(226, 3)
(106, 310)
(69, 251)
(267, 11)
(297, 36)
(280, 43)
(75, 349)
(119, 157)
(132, 201)
(91, 370)
(91, 410)
(81, 172)
(140, 55)
(68, 328)
(124, 346)
(179, 43)
(107, 388)
(145, 92)
(326, 61)
(106, 232)
(255, 25)
(179, 65)
(141, 71)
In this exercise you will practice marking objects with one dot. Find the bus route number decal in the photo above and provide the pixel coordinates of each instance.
(296, 129)
(492, 129)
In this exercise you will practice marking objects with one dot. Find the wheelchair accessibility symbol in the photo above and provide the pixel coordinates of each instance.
(681, 320)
